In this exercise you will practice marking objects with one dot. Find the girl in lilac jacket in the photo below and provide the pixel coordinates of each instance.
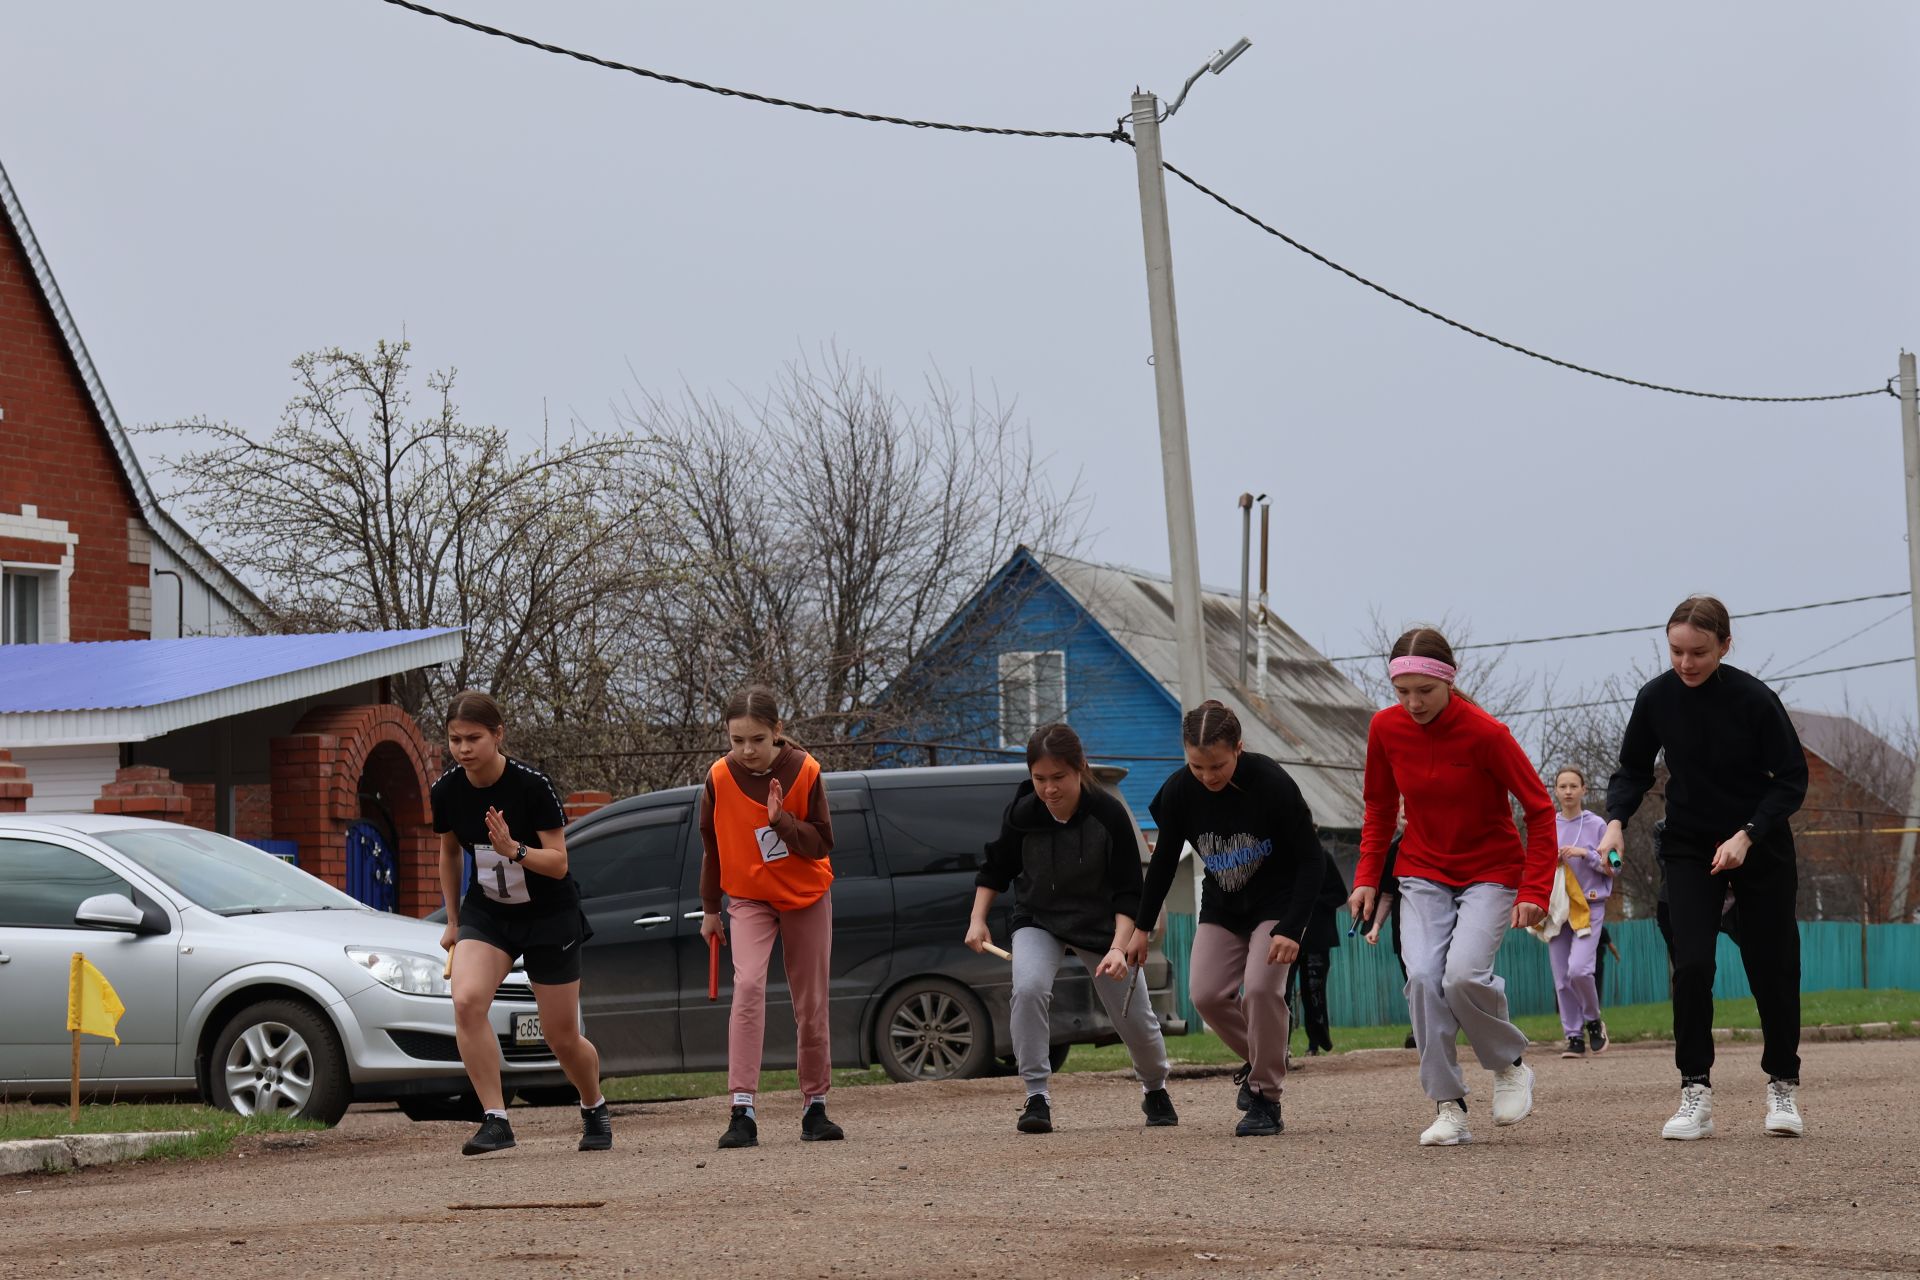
(1572, 957)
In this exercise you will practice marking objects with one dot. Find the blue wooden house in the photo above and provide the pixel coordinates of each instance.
(1050, 637)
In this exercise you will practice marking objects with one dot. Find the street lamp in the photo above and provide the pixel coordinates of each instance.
(1169, 387)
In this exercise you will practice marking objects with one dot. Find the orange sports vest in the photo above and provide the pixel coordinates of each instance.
(785, 883)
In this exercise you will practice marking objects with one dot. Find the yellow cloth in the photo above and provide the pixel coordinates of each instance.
(92, 1006)
(1579, 916)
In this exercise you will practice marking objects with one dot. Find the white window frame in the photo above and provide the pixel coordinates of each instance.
(47, 619)
(1018, 667)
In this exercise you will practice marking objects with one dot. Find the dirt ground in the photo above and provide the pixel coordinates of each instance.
(933, 1181)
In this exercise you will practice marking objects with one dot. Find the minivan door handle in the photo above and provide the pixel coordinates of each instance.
(5, 958)
(650, 921)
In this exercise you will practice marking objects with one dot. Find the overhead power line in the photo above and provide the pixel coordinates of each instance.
(1107, 135)
(1654, 626)
(1615, 702)
(1430, 313)
(1115, 134)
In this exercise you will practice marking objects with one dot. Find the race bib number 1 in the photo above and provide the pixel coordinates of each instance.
(772, 847)
(501, 878)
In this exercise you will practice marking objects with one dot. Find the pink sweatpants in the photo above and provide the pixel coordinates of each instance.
(806, 938)
(1243, 999)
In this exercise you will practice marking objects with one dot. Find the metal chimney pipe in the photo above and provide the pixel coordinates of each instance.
(1260, 671)
(1246, 550)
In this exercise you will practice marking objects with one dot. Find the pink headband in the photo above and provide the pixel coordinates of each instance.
(1414, 666)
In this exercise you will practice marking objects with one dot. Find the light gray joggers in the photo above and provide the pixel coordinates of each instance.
(1448, 938)
(1037, 957)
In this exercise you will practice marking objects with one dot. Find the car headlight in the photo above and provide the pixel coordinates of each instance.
(416, 975)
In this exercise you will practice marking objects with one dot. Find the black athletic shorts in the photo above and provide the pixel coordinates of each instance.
(550, 943)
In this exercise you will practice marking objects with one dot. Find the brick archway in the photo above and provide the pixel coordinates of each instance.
(322, 770)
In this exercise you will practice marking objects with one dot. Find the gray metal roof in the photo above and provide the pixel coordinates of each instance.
(237, 597)
(132, 690)
(1313, 719)
(1862, 755)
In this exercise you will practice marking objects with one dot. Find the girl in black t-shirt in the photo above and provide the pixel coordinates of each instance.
(1261, 864)
(504, 819)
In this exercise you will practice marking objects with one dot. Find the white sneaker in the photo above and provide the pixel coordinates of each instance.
(1694, 1119)
(1512, 1094)
(1449, 1127)
(1783, 1110)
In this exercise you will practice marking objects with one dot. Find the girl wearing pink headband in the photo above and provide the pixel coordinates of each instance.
(1464, 876)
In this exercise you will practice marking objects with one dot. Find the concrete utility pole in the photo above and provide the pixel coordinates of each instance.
(1910, 449)
(1183, 542)
(1246, 550)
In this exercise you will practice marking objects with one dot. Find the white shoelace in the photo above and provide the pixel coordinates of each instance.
(1690, 1099)
(1780, 1097)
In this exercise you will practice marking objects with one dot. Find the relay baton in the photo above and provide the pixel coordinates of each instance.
(448, 971)
(713, 966)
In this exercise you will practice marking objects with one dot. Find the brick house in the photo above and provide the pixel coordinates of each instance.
(131, 680)
(1848, 838)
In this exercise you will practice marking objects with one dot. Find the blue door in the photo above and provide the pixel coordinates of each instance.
(370, 867)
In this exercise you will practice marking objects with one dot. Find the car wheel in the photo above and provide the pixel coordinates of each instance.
(446, 1106)
(280, 1058)
(1058, 1055)
(933, 1029)
(549, 1095)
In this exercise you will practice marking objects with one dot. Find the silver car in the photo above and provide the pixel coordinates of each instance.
(246, 981)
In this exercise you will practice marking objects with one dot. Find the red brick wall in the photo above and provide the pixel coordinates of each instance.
(145, 791)
(581, 803)
(317, 771)
(253, 811)
(1835, 807)
(57, 456)
(199, 805)
(15, 790)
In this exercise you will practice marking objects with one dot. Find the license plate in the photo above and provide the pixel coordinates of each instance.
(526, 1029)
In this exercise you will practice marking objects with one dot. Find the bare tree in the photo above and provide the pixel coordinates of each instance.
(354, 513)
(1485, 674)
(824, 533)
(1847, 839)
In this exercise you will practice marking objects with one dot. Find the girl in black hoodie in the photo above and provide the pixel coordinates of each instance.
(1069, 849)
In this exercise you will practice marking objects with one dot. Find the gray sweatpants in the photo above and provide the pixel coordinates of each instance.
(1037, 957)
(1448, 940)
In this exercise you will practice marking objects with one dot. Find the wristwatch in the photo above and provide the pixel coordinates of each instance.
(1752, 830)
(520, 853)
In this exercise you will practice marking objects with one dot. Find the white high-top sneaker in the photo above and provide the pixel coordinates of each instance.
(1694, 1119)
(1512, 1094)
(1783, 1109)
(1449, 1127)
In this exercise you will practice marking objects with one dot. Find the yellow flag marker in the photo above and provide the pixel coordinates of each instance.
(94, 1009)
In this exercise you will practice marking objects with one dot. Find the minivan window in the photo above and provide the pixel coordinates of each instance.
(934, 829)
(47, 883)
(852, 848)
(632, 859)
(223, 875)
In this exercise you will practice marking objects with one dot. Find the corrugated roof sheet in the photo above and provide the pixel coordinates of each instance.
(1313, 717)
(131, 690)
(1856, 751)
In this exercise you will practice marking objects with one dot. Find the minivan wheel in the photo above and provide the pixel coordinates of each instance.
(933, 1029)
(279, 1057)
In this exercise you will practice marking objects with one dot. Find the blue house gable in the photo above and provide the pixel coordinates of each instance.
(1050, 638)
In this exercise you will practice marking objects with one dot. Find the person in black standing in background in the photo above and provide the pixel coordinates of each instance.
(1735, 774)
(1316, 957)
(505, 819)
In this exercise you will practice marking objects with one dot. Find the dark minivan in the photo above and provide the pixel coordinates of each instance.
(906, 993)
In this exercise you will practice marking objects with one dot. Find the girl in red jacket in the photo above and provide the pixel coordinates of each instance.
(764, 825)
(1464, 876)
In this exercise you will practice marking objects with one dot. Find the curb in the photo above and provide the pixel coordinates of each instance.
(78, 1151)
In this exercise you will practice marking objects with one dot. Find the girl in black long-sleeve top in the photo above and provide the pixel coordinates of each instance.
(1736, 774)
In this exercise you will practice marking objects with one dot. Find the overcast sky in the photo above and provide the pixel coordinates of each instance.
(1718, 195)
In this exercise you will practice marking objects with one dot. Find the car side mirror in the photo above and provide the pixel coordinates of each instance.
(112, 911)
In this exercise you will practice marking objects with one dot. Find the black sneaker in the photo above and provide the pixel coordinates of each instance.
(1262, 1119)
(1576, 1047)
(1245, 1097)
(494, 1134)
(1038, 1117)
(1159, 1109)
(1597, 1035)
(596, 1128)
(815, 1127)
(741, 1131)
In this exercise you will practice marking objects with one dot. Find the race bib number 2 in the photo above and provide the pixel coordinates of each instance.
(772, 847)
(501, 878)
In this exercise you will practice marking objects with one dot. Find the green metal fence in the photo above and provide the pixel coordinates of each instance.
(1365, 988)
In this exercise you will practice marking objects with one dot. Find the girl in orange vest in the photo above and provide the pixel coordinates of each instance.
(763, 820)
